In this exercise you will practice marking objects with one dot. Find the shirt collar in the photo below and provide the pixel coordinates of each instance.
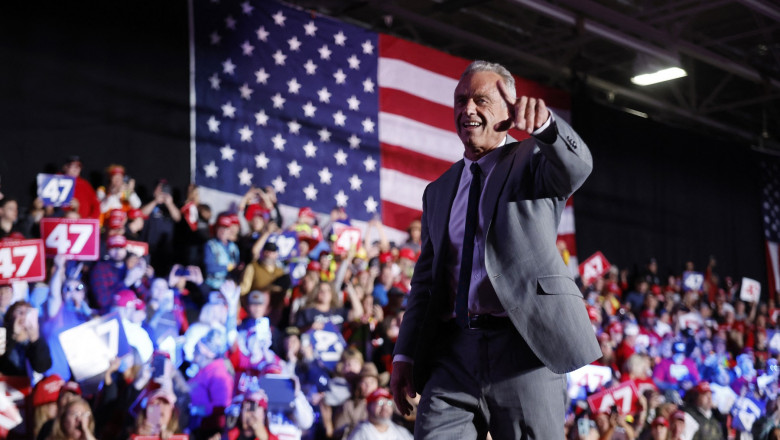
(488, 161)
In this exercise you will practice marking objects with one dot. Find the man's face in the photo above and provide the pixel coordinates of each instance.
(257, 311)
(10, 211)
(381, 411)
(117, 253)
(481, 114)
(72, 169)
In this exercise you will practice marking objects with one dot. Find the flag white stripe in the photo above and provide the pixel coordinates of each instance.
(774, 259)
(402, 189)
(566, 226)
(420, 138)
(400, 75)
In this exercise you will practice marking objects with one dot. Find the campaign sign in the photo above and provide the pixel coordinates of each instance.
(13, 390)
(745, 412)
(692, 280)
(22, 260)
(595, 266)
(690, 320)
(348, 238)
(297, 268)
(588, 379)
(287, 242)
(90, 347)
(157, 437)
(77, 239)
(624, 397)
(773, 336)
(190, 214)
(750, 290)
(55, 189)
(138, 248)
(328, 345)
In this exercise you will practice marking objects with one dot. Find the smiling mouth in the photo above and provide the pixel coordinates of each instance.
(471, 124)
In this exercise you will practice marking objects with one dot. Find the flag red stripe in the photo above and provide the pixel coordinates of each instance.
(397, 216)
(421, 56)
(413, 107)
(412, 163)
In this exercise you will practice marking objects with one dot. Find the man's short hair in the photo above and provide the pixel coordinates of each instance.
(486, 66)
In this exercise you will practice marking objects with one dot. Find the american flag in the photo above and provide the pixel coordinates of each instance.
(770, 208)
(327, 113)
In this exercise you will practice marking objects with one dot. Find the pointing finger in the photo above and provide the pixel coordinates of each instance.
(510, 100)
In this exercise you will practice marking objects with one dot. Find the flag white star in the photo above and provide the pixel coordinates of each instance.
(245, 177)
(325, 175)
(246, 92)
(310, 67)
(354, 141)
(247, 48)
(355, 182)
(340, 76)
(279, 184)
(368, 48)
(341, 157)
(295, 44)
(340, 38)
(211, 169)
(370, 204)
(368, 125)
(262, 34)
(246, 134)
(368, 86)
(228, 110)
(215, 81)
(324, 95)
(354, 62)
(370, 164)
(246, 8)
(341, 198)
(279, 18)
(354, 103)
(311, 192)
(294, 127)
(324, 135)
(261, 118)
(215, 38)
(213, 124)
(293, 86)
(262, 76)
(278, 100)
(279, 57)
(230, 22)
(227, 153)
(339, 118)
(310, 149)
(261, 161)
(279, 142)
(228, 67)
(324, 52)
(309, 109)
(310, 28)
(294, 169)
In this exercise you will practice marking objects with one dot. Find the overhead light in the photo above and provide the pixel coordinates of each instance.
(667, 74)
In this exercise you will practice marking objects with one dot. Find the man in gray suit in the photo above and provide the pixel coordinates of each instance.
(493, 317)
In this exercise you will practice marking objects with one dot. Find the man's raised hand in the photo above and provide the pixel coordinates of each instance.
(525, 113)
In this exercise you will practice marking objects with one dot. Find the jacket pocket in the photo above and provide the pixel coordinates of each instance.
(557, 285)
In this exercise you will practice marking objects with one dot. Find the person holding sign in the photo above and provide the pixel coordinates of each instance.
(494, 318)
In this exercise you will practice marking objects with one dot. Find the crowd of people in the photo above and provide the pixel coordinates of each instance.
(240, 325)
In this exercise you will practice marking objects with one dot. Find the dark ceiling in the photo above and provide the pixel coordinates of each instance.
(730, 49)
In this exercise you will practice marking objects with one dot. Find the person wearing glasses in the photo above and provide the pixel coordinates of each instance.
(380, 424)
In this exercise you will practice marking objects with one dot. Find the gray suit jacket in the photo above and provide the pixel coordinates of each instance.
(522, 203)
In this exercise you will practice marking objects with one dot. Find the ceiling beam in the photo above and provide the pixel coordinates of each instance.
(617, 37)
(762, 7)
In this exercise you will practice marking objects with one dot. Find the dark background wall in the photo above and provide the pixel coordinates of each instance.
(109, 81)
(105, 80)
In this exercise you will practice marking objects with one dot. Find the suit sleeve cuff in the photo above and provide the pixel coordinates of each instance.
(548, 132)
(402, 358)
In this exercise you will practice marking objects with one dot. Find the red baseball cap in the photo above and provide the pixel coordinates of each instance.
(314, 266)
(306, 212)
(127, 297)
(47, 390)
(224, 220)
(134, 214)
(660, 421)
(117, 241)
(703, 387)
(379, 393)
(254, 210)
(408, 254)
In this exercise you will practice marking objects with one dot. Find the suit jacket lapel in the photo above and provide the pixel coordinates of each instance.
(496, 181)
(443, 204)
